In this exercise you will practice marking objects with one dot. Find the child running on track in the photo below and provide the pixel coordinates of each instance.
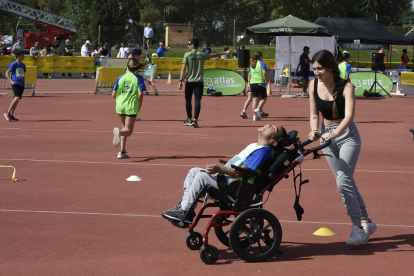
(17, 69)
(257, 83)
(129, 99)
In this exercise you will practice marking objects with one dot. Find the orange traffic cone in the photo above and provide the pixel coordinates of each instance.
(268, 90)
(169, 78)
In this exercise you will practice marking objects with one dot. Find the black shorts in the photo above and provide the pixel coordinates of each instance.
(128, 115)
(305, 74)
(258, 89)
(18, 91)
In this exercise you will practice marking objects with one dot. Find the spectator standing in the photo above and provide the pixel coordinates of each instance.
(404, 58)
(195, 62)
(56, 42)
(234, 55)
(68, 52)
(161, 53)
(206, 49)
(147, 58)
(149, 35)
(18, 46)
(35, 51)
(304, 69)
(17, 70)
(382, 51)
(4, 52)
(345, 67)
(46, 52)
(225, 56)
(123, 51)
(85, 53)
(105, 50)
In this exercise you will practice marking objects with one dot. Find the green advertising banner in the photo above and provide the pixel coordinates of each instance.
(227, 82)
(364, 80)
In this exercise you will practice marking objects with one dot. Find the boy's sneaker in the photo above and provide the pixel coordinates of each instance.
(188, 122)
(7, 115)
(243, 115)
(257, 112)
(122, 155)
(195, 124)
(117, 137)
(178, 214)
(369, 227)
(264, 115)
(256, 118)
(13, 119)
(137, 119)
(358, 236)
(85, 77)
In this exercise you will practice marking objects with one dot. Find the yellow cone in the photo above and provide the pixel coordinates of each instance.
(324, 232)
(169, 79)
(268, 90)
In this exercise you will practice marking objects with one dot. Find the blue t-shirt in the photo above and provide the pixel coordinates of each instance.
(160, 51)
(207, 50)
(348, 68)
(18, 70)
(263, 66)
(257, 158)
(303, 66)
(141, 83)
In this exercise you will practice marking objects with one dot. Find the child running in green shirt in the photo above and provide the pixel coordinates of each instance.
(129, 99)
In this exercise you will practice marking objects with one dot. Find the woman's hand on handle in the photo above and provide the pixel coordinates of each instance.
(328, 136)
(312, 135)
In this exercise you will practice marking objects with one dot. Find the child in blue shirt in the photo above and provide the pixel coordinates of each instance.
(17, 70)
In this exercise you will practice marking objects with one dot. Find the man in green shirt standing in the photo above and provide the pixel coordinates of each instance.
(195, 62)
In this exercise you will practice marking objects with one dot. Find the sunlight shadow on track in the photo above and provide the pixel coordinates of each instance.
(305, 251)
(174, 157)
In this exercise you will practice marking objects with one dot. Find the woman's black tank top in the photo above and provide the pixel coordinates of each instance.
(325, 107)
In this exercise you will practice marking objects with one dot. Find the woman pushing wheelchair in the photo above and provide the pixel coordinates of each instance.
(251, 158)
(334, 98)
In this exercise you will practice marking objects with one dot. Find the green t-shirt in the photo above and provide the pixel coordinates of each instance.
(342, 70)
(256, 74)
(195, 62)
(127, 89)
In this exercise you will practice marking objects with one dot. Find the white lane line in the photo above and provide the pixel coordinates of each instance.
(101, 131)
(92, 162)
(171, 165)
(156, 216)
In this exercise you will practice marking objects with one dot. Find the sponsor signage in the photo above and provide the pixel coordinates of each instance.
(354, 46)
(364, 80)
(281, 30)
(225, 81)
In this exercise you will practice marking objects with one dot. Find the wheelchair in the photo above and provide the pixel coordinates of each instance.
(255, 234)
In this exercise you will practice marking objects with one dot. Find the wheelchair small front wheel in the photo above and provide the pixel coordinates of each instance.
(194, 241)
(261, 230)
(209, 254)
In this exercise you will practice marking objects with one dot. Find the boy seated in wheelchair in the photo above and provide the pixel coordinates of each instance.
(251, 158)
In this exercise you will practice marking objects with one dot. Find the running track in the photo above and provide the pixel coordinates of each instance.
(73, 213)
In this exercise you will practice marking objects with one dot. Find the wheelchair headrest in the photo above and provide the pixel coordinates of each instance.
(288, 141)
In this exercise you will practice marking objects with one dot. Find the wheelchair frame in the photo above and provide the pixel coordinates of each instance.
(209, 254)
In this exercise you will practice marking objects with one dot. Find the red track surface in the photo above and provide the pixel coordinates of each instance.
(73, 213)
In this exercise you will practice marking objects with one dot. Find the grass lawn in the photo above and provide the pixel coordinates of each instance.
(269, 52)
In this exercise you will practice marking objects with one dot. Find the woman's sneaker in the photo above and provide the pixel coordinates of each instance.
(188, 122)
(195, 124)
(243, 115)
(369, 227)
(117, 137)
(358, 236)
(257, 113)
(256, 118)
(122, 155)
(264, 115)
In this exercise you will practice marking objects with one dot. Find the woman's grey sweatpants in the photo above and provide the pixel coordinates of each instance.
(345, 152)
(197, 179)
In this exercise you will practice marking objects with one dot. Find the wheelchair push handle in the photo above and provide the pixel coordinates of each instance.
(316, 149)
(245, 172)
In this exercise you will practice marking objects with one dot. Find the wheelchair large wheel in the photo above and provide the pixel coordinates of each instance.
(222, 234)
(261, 229)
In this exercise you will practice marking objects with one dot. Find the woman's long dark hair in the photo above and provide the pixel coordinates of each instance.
(327, 60)
(134, 65)
(256, 57)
